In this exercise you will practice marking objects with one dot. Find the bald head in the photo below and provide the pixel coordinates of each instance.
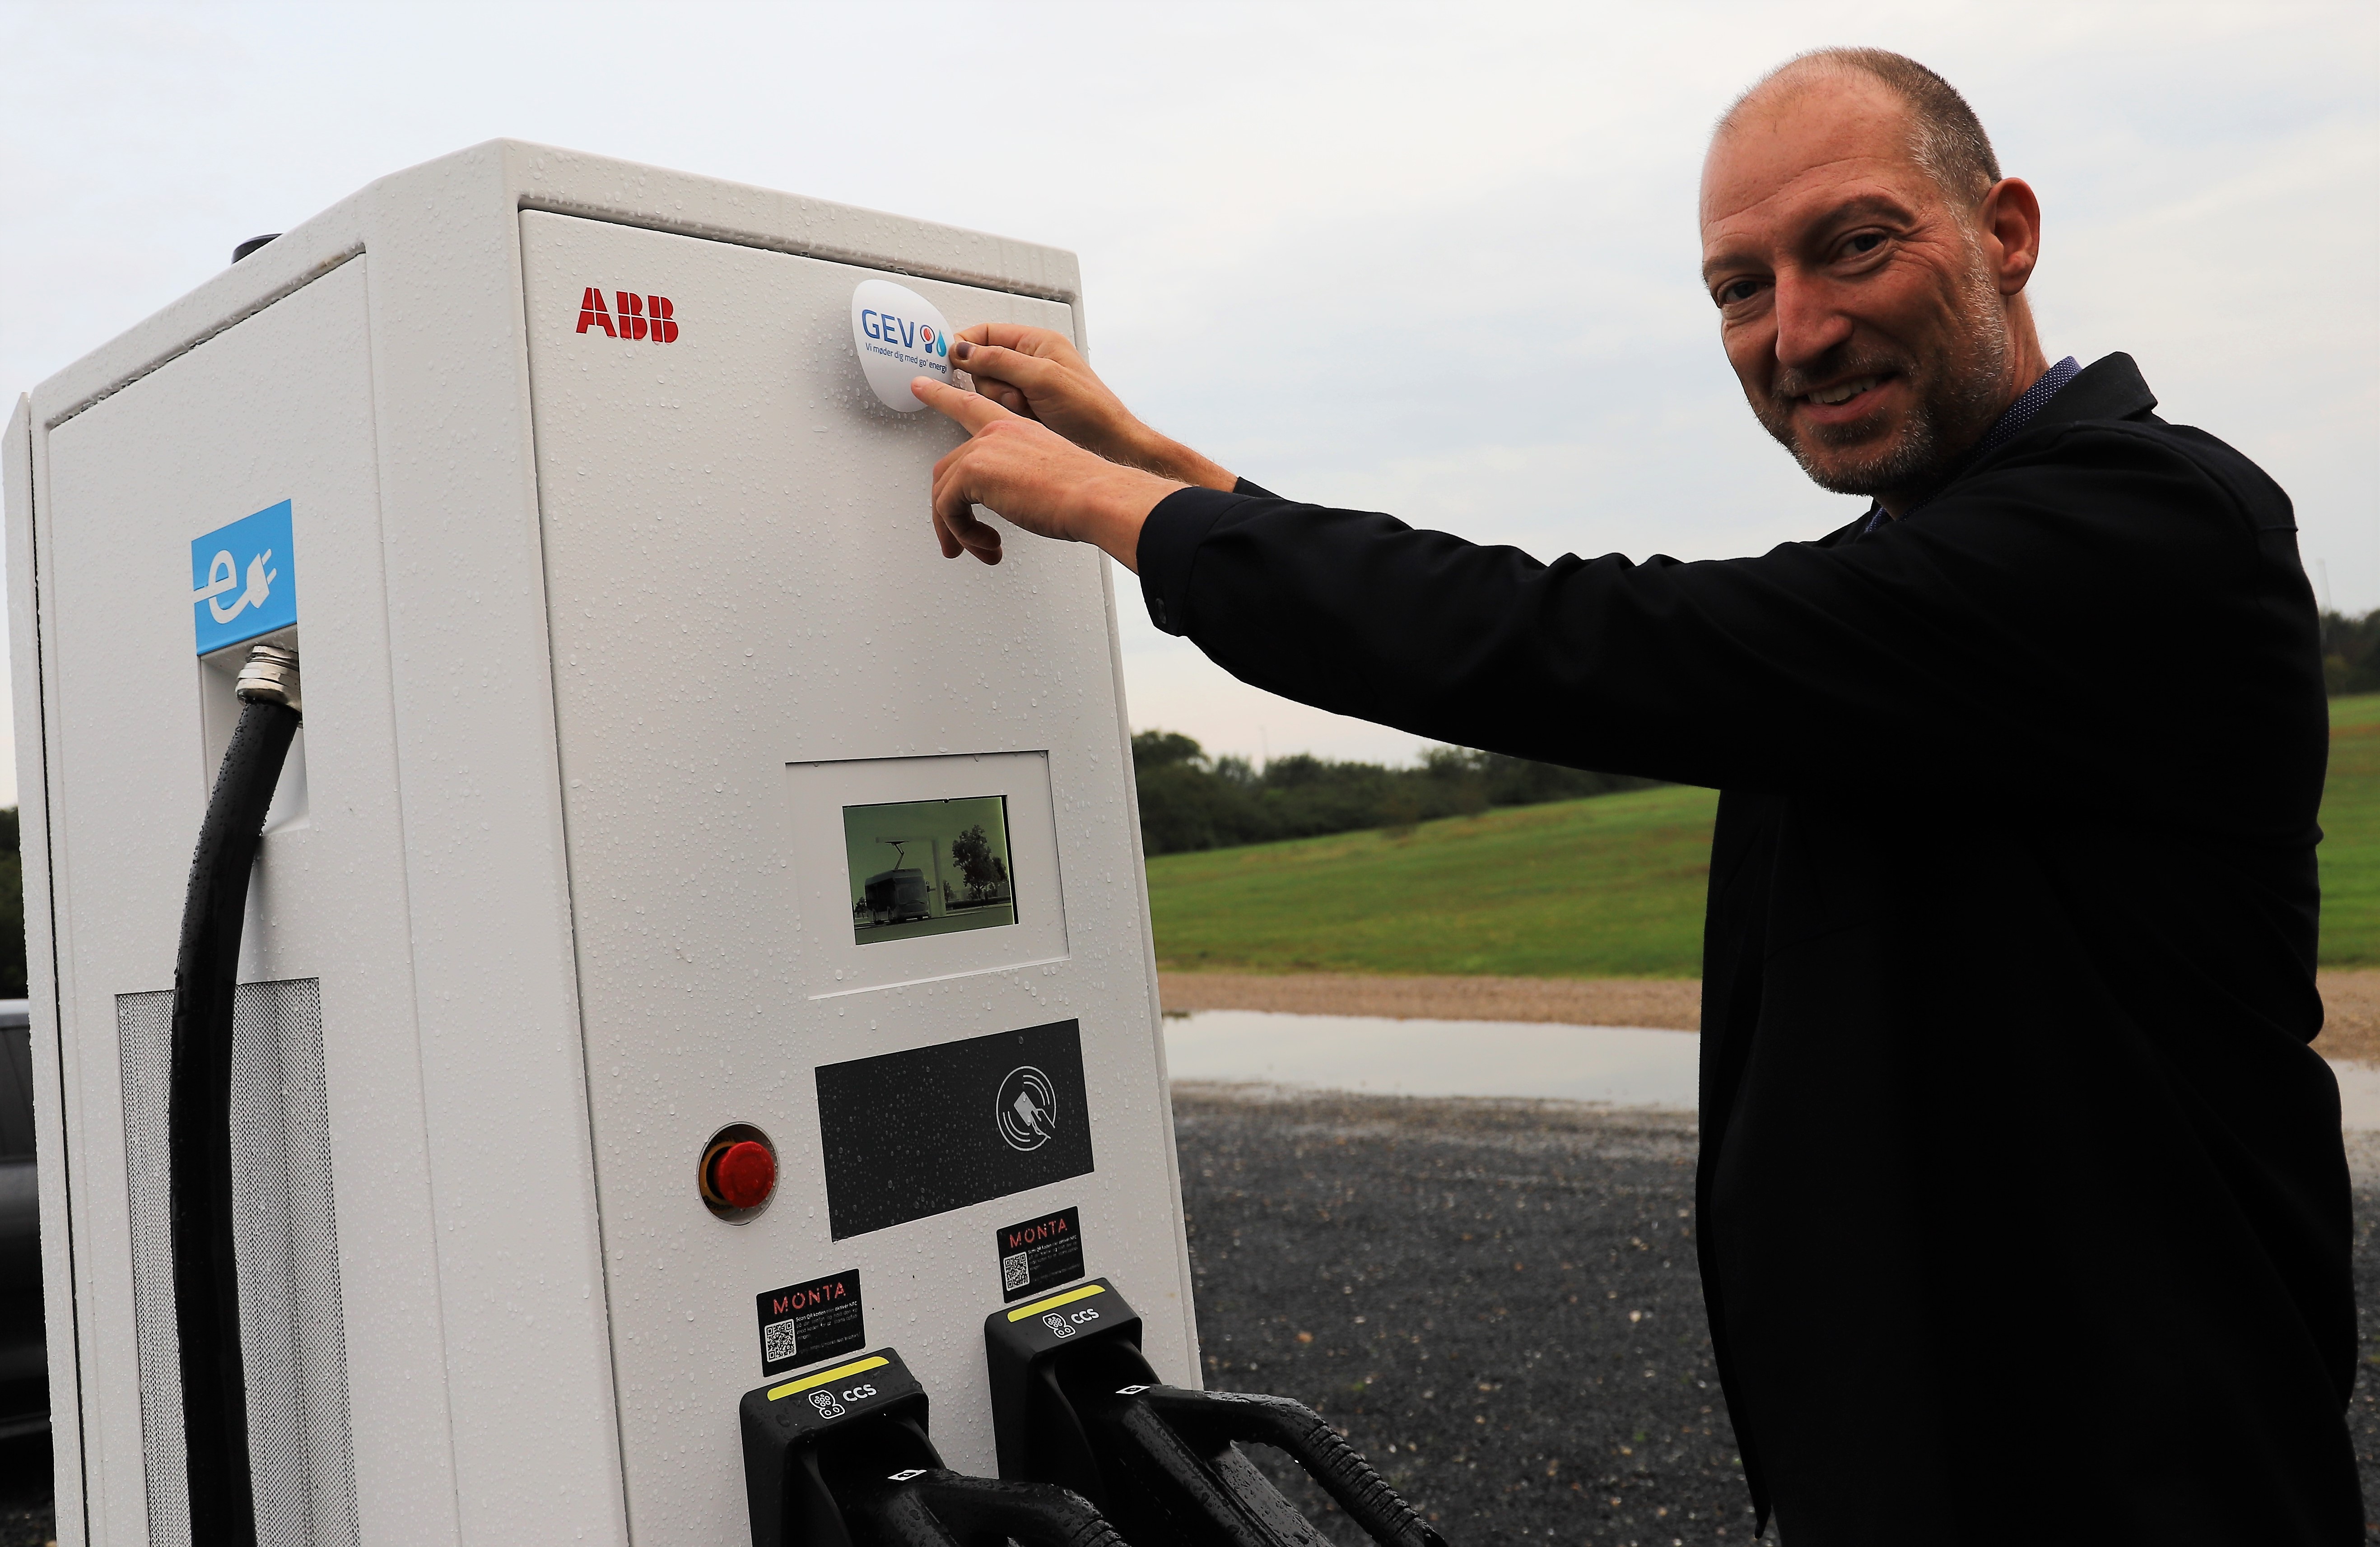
(1868, 263)
(1945, 137)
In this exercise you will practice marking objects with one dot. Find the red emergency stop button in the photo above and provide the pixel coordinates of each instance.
(738, 1172)
(747, 1174)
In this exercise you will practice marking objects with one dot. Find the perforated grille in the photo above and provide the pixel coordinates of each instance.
(144, 1030)
(292, 1328)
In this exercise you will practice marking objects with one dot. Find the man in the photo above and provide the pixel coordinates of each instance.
(2023, 1212)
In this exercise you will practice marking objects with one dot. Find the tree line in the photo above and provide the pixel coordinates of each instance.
(2350, 653)
(1191, 800)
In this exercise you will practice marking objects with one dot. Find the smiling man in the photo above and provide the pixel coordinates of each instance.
(2024, 1211)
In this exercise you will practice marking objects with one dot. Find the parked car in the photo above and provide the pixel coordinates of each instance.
(24, 1353)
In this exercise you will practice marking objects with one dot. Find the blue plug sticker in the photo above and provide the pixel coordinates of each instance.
(244, 579)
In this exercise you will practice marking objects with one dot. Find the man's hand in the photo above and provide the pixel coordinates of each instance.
(1037, 374)
(1033, 478)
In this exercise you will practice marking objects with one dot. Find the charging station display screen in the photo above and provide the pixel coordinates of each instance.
(927, 867)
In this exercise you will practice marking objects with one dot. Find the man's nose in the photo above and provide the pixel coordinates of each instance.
(1809, 323)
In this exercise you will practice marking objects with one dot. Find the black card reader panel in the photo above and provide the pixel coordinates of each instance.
(930, 1130)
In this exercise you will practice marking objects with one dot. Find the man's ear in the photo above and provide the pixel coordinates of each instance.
(2011, 222)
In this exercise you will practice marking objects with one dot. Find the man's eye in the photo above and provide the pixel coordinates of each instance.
(1865, 242)
(1738, 290)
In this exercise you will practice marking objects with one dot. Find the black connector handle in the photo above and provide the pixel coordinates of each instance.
(1078, 1403)
(1221, 1416)
(206, 1264)
(1194, 1492)
(1034, 1513)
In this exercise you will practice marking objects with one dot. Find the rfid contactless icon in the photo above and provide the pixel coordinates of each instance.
(1026, 1108)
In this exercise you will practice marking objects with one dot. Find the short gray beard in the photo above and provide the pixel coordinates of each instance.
(1953, 407)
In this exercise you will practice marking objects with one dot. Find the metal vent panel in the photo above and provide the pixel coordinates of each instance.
(291, 1321)
(144, 1030)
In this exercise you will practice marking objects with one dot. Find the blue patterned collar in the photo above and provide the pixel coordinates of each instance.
(2007, 426)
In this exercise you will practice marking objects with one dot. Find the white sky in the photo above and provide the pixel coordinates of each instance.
(1437, 261)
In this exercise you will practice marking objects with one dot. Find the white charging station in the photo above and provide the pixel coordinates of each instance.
(627, 649)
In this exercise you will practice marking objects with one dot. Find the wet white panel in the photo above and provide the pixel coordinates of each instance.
(277, 407)
(753, 630)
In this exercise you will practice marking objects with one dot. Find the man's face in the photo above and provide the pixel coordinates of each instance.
(1858, 304)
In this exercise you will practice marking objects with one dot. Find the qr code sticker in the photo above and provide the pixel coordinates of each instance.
(1014, 1274)
(777, 1341)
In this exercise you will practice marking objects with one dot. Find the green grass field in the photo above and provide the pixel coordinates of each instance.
(2351, 843)
(1610, 887)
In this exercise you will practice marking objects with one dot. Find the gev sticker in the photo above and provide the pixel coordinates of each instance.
(899, 335)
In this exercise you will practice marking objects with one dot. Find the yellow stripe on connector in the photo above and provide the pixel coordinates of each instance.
(876, 1361)
(1069, 1298)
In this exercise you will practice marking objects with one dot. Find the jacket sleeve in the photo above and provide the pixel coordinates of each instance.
(1976, 643)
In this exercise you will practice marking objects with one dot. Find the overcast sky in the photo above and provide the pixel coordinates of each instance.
(1438, 261)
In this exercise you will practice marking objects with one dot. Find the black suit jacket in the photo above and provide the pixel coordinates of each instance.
(2023, 1212)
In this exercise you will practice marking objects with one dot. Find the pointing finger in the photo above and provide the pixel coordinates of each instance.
(970, 411)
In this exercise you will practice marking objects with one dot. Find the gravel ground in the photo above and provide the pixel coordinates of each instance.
(1496, 1299)
(1497, 1302)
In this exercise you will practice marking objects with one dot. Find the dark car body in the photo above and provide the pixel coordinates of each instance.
(24, 1354)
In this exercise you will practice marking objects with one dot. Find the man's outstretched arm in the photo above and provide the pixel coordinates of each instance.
(1943, 658)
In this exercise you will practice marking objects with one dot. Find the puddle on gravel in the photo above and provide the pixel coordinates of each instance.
(2359, 1096)
(1624, 1066)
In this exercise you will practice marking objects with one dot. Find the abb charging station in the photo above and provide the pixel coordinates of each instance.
(588, 986)
(628, 661)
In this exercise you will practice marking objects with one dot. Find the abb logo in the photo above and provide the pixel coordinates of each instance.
(631, 316)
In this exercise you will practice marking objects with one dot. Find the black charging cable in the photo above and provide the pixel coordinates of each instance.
(934, 1507)
(1217, 1419)
(199, 1143)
